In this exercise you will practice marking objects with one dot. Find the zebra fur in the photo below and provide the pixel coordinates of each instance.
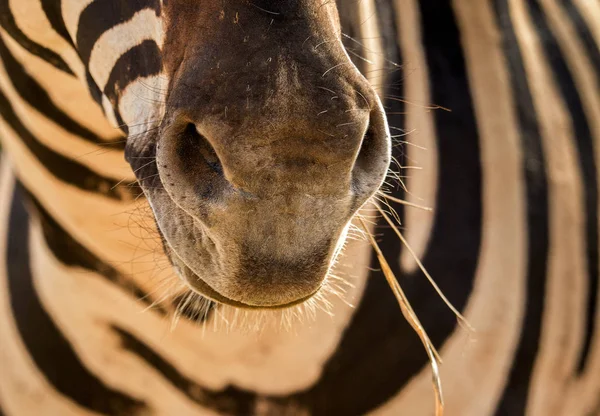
(510, 170)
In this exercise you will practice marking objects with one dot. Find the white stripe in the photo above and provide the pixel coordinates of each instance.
(113, 43)
(109, 112)
(142, 104)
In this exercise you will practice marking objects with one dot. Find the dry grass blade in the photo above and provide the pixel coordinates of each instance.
(403, 202)
(412, 319)
(461, 319)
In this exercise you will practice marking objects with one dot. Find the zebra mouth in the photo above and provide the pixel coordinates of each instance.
(196, 284)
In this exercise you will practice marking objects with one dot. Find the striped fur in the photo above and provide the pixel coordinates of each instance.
(511, 170)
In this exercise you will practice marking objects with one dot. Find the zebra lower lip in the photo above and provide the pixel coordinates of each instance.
(196, 284)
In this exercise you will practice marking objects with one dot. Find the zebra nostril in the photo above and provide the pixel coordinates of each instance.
(189, 167)
(373, 157)
(193, 147)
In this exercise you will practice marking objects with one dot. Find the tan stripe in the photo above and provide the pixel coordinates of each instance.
(583, 392)
(565, 301)
(590, 12)
(23, 389)
(373, 47)
(420, 131)
(71, 11)
(68, 93)
(106, 162)
(474, 373)
(580, 65)
(32, 20)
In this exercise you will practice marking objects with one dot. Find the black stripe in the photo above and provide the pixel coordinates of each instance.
(37, 97)
(47, 346)
(72, 253)
(585, 148)
(52, 8)
(592, 49)
(94, 89)
(514, 398)
(7, 21)
(101, 16)
(63, 168)
(593, 53)
(97, 96)
(229, 401)
(143, 60)
(120, 122)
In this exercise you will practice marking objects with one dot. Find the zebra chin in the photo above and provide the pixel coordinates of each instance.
(256, 283)
(196, 284)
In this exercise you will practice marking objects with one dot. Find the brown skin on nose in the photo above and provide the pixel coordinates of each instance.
(270, 143)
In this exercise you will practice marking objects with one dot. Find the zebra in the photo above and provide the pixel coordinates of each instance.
(497, 100)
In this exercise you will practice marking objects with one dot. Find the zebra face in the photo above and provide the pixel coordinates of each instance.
(271, 140)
